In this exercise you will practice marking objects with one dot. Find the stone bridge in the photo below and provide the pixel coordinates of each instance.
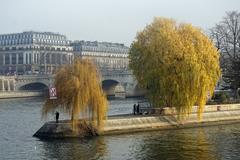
(119, 83)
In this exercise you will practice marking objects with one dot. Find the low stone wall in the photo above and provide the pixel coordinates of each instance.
(144, 123)
(136, 123)
(207, 108)
(19, 94)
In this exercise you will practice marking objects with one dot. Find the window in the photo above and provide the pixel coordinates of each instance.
(30, 58)
(1, 59)
(14, 58)
(20, 58)
(7, 59)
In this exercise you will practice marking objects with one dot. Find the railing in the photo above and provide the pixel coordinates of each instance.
(30, 76)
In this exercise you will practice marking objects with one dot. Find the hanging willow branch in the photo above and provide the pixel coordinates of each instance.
(79, 94)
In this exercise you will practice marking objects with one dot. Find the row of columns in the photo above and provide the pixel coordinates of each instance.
(8, 85)
(36, 58)
(10, 58)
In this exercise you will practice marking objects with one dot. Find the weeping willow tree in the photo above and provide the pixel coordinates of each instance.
(79, 94)
(176, 63)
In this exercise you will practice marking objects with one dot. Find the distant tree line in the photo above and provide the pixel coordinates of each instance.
(226, 35)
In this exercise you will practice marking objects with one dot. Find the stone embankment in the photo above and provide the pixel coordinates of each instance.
(213, 115)
(19, 94)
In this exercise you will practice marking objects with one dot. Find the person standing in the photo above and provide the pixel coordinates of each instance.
(137, 108)
(134, 109)
(57, 116)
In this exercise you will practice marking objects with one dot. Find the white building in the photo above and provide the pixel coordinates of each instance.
(106, 55)
(33, 52)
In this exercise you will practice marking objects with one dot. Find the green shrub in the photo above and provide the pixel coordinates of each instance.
(221, 97)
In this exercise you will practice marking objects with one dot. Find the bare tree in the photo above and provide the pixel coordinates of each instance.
(226, 35)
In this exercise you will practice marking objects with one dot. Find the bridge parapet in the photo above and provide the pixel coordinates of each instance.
(36, 76)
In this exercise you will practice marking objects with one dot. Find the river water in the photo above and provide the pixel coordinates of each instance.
(21, 118)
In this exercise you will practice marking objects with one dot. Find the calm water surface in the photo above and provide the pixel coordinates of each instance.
(20, 119)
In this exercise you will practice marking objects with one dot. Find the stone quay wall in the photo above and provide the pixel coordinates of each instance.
(213, 115)
(19, 94)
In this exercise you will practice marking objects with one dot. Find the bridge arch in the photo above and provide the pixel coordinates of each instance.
(112, 87)
(138, 91)
(34, 86)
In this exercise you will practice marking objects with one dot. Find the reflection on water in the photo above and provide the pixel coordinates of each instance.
(93, 148)
(182, 144)
(20, 118)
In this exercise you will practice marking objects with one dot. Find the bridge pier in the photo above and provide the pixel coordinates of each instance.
(120, 79)
(120, 91)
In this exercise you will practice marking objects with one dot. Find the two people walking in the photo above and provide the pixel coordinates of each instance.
(136, 109)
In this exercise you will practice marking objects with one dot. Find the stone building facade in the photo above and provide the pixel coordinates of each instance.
(33, 52)
(43, 52)
(106, 55)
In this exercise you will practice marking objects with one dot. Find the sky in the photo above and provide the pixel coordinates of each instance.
(106, 20)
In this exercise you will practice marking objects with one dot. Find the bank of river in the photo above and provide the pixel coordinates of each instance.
(20, 94)
(20, 118)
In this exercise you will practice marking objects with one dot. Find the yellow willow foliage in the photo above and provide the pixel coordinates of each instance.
(176, 63)
(79, 93)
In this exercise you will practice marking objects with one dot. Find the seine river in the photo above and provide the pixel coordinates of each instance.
(21, 118)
